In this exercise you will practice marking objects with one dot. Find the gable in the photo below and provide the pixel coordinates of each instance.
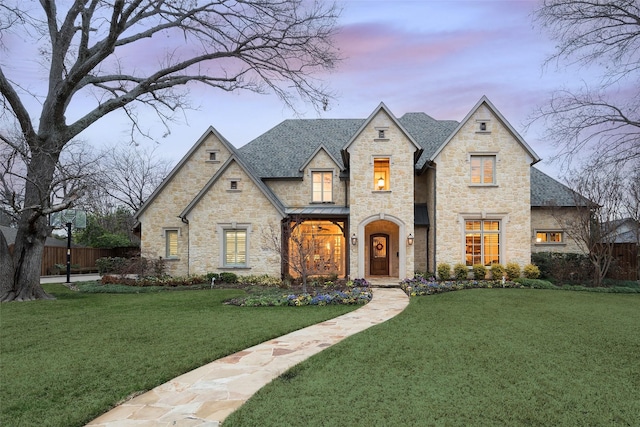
(321, 158)
(485, 111)
(192, 171)
(382, 120)
(251, 181)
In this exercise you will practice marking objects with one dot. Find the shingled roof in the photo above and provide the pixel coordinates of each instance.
(281, 151)
(546, 191)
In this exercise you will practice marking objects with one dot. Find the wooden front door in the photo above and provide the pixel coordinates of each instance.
(379, 258)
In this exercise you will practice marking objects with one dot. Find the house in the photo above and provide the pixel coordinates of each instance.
(380, 196)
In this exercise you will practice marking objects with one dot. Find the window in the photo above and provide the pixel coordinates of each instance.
(482, 242)
(549, 237)
(483, 169)
(171, 242)
(235, 248)
(381, 174)
(234, 185)
(212, 156)
(381, 134)
(322, 187)
(483, 126)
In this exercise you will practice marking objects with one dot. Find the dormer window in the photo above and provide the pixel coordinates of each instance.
(322, 186)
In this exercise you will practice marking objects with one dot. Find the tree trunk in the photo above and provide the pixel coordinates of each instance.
(6, 267)
(22, 282)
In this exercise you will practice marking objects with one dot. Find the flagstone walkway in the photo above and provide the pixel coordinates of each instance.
(205, 396)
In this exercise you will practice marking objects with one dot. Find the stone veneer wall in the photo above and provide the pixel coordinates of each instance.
(420, 249)
(247, 207)
(509, 200)
(365, 203)
(298, 193)
(163, 211)
(543, 219)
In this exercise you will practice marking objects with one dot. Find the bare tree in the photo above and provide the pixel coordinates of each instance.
(130, 174)
(72, 176)
(599, 201)
(296, 248)
(604, 115)
(256, 45)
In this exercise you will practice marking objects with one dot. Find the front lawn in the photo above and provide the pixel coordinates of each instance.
(484, 357)
(65, 362)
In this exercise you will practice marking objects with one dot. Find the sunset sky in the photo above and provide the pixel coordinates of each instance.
(437, 57)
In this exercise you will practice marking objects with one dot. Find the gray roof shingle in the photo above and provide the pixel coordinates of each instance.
(546, 191)
(281, 151)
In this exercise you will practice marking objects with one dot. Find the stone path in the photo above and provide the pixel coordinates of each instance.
(205, 396)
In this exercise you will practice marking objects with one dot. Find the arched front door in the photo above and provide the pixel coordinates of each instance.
(379, 255)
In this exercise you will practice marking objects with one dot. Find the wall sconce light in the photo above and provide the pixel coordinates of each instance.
(410, 239)
(381, 183)
(354, 239)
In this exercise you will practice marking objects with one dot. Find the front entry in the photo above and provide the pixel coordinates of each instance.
(379, 259)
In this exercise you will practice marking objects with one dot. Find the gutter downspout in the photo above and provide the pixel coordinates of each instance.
(186, 221)
(430, 166)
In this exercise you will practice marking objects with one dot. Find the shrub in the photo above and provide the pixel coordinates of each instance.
(111, 265)
(228, 277)
(444, 271)
(531, 271)
(513, 270)
(479, 271)
(535, 283)
(460, 271)
(563, 267)
(497, 271)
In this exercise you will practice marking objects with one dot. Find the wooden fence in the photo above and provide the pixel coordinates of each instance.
(82, 259)
(626, 264)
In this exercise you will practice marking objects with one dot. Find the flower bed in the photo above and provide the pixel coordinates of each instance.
(428, 286)
(349, 297)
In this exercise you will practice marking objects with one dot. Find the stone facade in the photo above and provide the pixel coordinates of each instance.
(175, 193)
(214, 189)
(508, 200)
(546, 219)
(394, 205)
(297, 193)
(244, 208)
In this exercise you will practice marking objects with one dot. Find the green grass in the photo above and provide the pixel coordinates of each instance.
(64, 362)
(486, 357)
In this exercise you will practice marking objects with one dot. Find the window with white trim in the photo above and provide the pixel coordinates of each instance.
(482, 241)
(322, 186)
(235, 248)
(171, 243)
(549, 237)
(483, 169)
